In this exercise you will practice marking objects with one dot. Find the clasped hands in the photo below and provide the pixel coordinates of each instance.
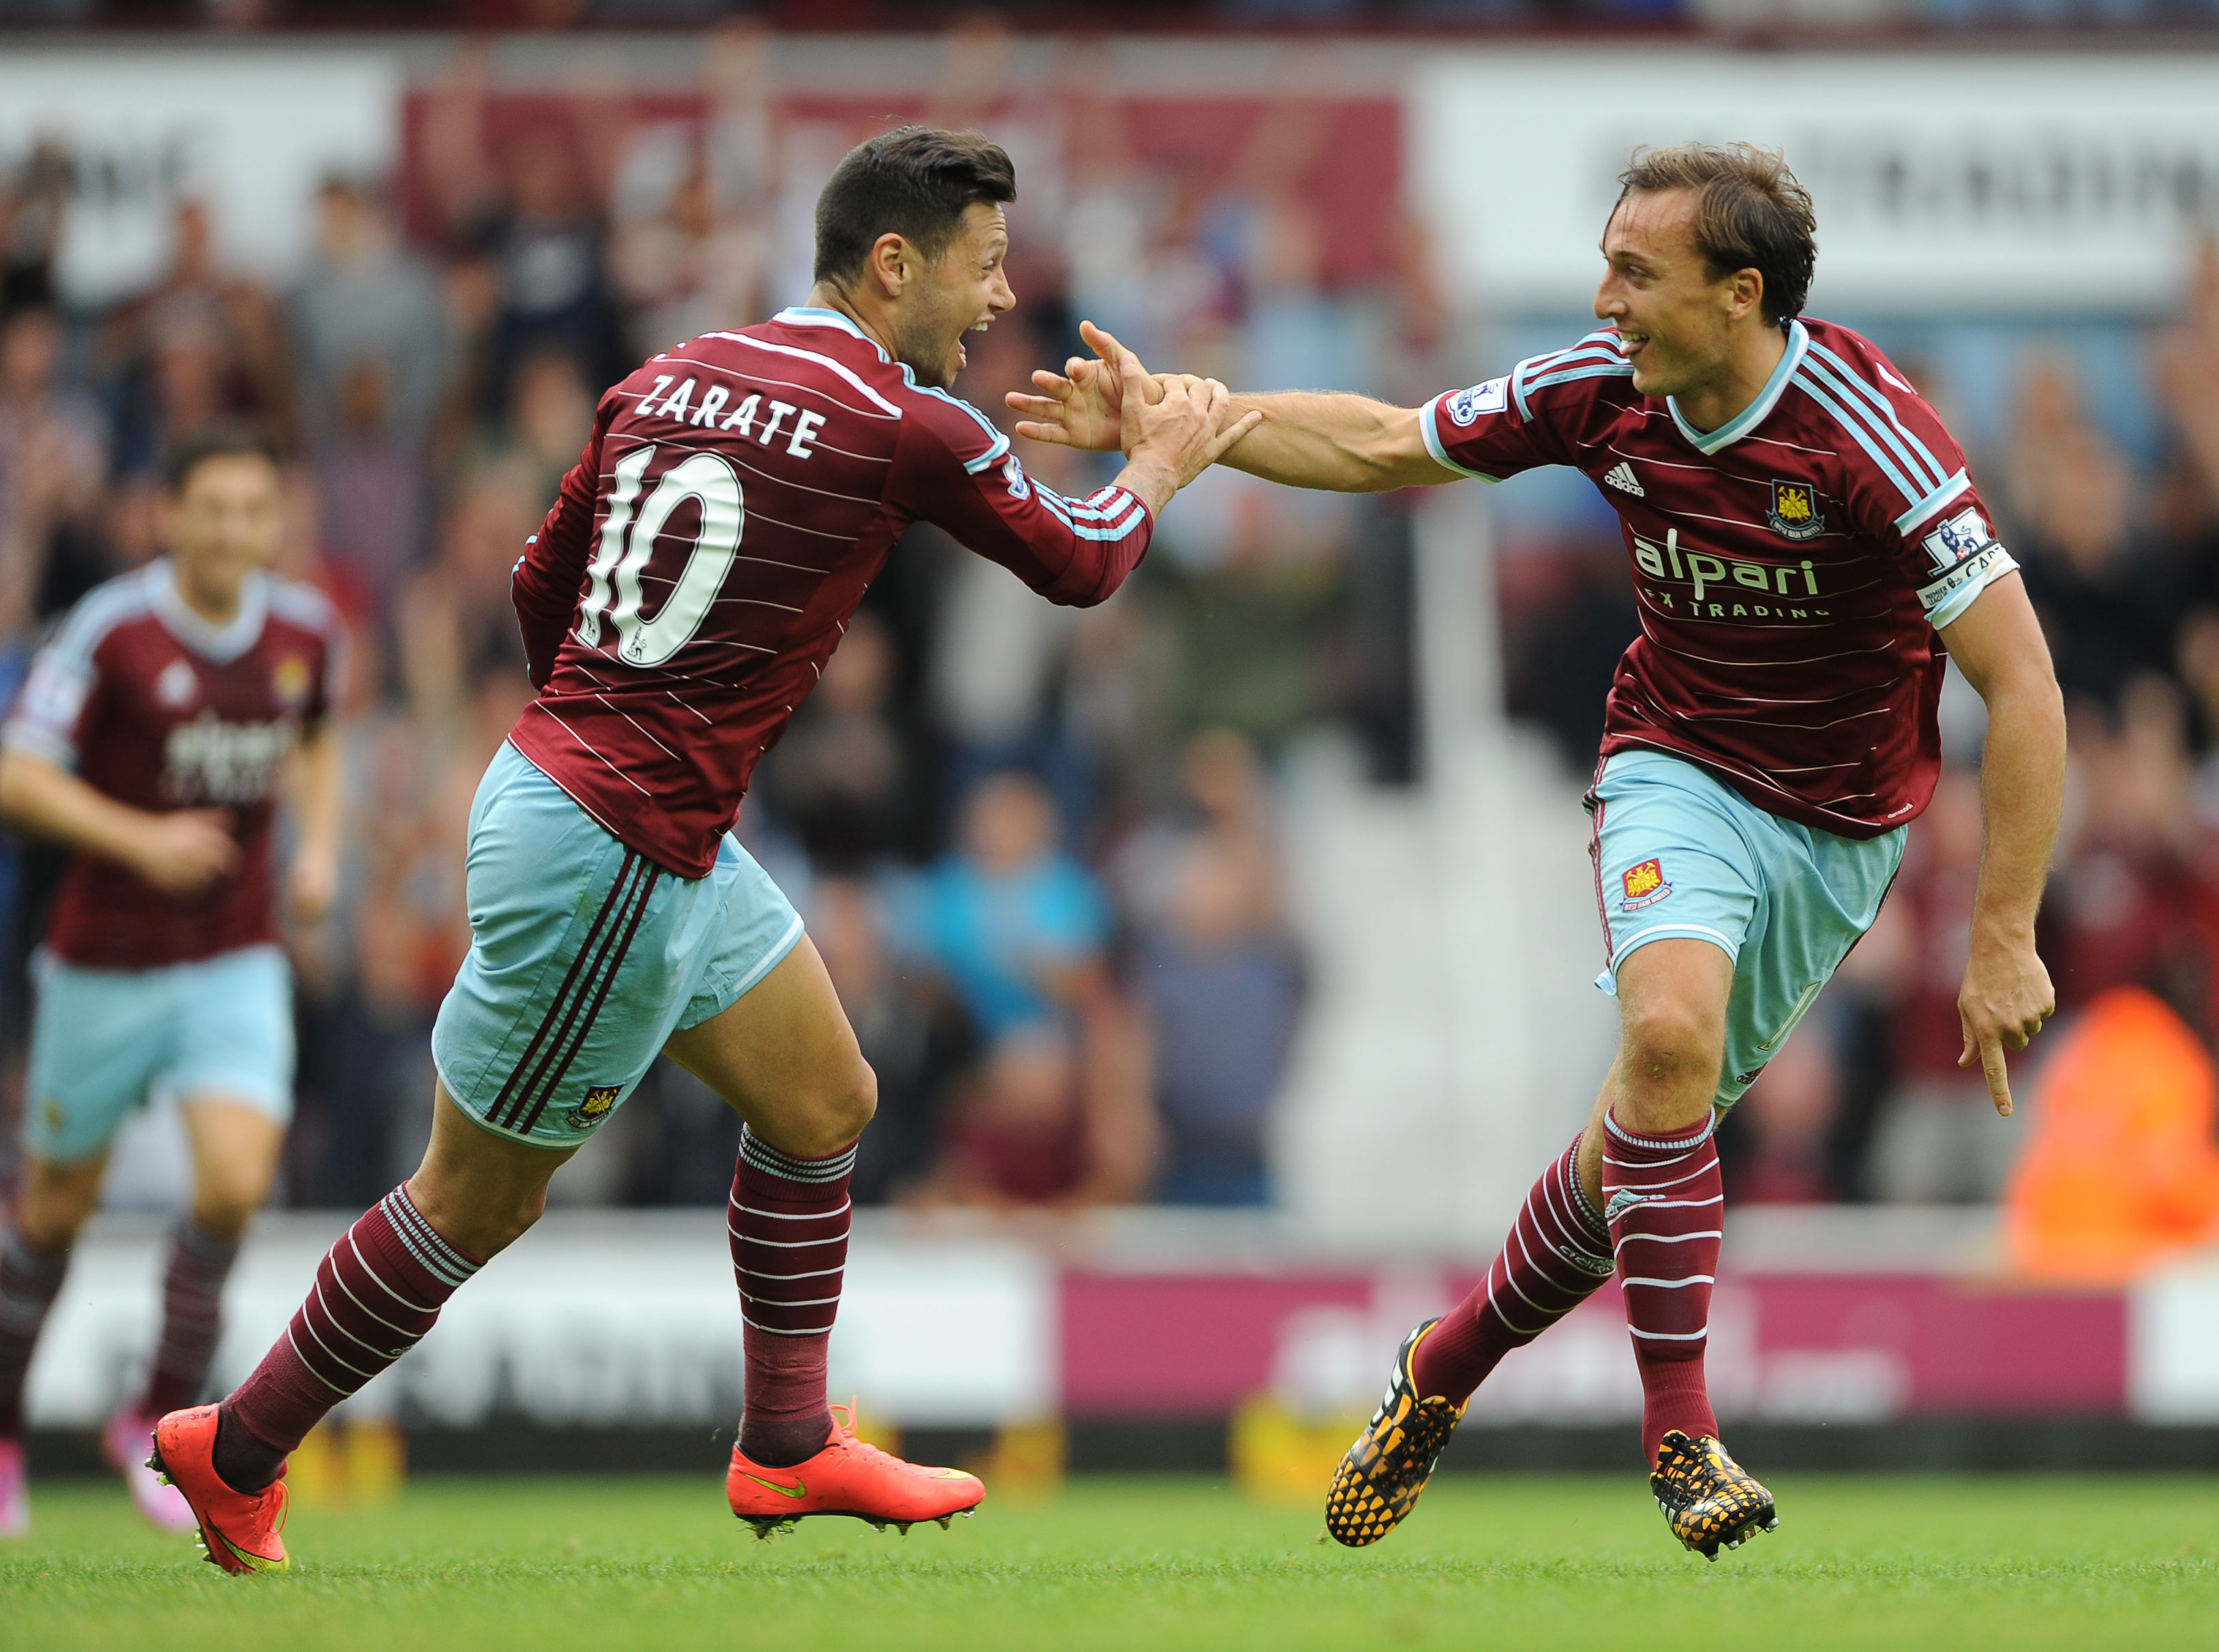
(1083, 407)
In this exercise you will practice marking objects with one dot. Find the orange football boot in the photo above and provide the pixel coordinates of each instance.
(240, 1530)
(853, 1478)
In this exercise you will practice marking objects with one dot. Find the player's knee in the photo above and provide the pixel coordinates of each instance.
(1669, 1045)
(840, 1109)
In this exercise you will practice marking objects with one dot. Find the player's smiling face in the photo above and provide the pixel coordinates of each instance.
(223, 525)
(1677, 320)
(961, 291)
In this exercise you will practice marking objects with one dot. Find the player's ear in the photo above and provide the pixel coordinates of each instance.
(1745, 292)
(890, 262)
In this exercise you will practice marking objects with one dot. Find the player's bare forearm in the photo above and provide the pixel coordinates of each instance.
(2007, 994)
(316, 787)
(1340, 444)
(43, 798)
(1343, 443)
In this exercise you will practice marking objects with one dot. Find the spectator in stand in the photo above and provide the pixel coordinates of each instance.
(53, 462)
(2123, 900)
(364, 298)
(204, 346)
(1222, 995)
(1225, 796)
(915, 1038)
(547, 241)
(843, 775)
(462, 624)
(371, 351)
(1938, 1140)
(372, 478)
(1786, 1117)
(1041, 1124)
(1017, 926)
(2105, 606)
(546, 422)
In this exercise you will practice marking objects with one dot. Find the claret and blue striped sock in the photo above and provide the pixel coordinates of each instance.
(1558, 1255)
(377, 1292)
(1663, 1199)
(789, 1219)
(192, 1316)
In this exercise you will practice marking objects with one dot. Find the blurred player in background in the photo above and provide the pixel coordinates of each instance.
(152, 737)
(736, 496)
(1807, 553)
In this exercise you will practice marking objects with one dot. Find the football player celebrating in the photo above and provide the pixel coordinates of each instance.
(736, 497)
(1807, 552)
(152, 737)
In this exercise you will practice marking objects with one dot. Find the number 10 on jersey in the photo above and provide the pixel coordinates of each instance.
(613, 590)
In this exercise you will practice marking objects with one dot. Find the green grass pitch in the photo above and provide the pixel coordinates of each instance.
(1557, 1563)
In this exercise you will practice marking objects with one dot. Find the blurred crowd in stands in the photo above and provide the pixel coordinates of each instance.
(1036, 847)
(1730, 15)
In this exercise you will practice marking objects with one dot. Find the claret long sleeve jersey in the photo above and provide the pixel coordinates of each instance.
(704, 556)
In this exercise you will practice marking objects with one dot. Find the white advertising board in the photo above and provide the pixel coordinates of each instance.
(1943, 181)
(251, 131)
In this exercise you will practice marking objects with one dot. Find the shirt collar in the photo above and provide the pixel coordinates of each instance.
(218, 643)
(1750, 417)
(809, 315)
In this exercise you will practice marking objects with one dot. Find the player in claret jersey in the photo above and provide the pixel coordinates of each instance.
(1807, 550)
(737, 495)
(152, 737)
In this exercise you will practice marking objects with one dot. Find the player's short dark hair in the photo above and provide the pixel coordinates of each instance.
(216, 442)
(1751, 213)
(914, 182)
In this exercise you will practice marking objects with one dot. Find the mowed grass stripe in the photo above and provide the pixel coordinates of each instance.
(1559, 1563)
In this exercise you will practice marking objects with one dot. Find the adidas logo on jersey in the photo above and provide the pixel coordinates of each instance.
(1620, 475)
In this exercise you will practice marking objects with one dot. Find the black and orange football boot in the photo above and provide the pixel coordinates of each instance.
(1383, 1473)
(1708, 1500)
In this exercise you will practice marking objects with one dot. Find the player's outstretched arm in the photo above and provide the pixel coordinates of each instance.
(1998, 643)
(180, 853)
(1175, 435)
(312, 882)
(1342, 444)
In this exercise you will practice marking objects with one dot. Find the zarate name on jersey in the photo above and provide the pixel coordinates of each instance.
(703, 558)
(158, 708)
(1792, 569)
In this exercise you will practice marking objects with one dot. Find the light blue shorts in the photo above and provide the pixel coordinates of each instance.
(1679, 854)
(584, 957)
(103, 1040)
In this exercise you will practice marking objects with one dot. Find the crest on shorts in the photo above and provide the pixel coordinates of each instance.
(1643, 885)
(596, 1107)
(1795, 511)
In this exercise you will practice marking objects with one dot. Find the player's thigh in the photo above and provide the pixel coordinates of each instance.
(234, 1142)
(576, 969)
(1672, 864)
(480, 1188)
(1823, 893)
(98, 1039)
(784, 1057)
(231, 1069)
(54, 1200)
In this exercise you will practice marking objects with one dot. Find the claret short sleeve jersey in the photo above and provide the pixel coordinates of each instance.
(1792, 569)
(703, 558)
(152, 705)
